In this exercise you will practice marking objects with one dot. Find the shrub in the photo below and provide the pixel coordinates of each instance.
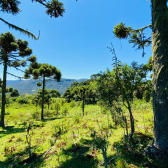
(147, 95)
(65, 111)
(48, 113)
(120, 162)
(13, 99)
(63, 101)
(78, 103)
(77, 119)
(22, 100)
(72, 104)
(36, 115)
(104, 110)
(57, 108)
(81, 104)
(14, 93)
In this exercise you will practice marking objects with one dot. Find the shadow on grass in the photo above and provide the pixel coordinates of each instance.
(80, 157)
(134, 152)
(78, 153)
(51, 119)
(10, 130)
(21, 159)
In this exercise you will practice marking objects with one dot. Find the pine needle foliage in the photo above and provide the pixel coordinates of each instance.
(54, 9)
(136, 36)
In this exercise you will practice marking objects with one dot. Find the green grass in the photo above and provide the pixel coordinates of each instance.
(71, 138)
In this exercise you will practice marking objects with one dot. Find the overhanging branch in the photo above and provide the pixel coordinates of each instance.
(15, 76)
(29, 34)
(141, 29)
(40, 1)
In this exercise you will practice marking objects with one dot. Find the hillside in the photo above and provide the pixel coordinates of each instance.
(30, 87)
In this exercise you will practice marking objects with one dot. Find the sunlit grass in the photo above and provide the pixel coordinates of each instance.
(74, 146)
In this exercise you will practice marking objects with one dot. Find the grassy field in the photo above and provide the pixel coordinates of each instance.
(71, 140)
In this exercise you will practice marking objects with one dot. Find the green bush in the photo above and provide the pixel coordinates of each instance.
(48, 113)
(120, 162)
(147, 95)
(13, 99)
(22, 100)
(72, 104)
(77, 119)
(81, 104)
(78, 103)
(104, 110)
(65, 111)
(36, 115)
(57, 108)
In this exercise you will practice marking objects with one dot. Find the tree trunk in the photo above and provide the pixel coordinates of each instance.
(83, 105)
(125, 119)
(160, 75)
(2, 124)
(104, 151)
(42, 109)
(131, 120)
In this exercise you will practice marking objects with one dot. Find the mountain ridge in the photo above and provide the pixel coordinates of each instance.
(30, 86)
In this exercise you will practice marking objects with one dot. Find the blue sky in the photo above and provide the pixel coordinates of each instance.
(77, 42)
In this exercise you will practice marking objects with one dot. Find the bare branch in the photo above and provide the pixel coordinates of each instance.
(141, 29)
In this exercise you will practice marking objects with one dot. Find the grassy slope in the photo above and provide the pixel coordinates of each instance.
(74, 145)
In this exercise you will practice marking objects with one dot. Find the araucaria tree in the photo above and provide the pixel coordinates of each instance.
(160, 68)
(81, 91)
(12, 52)
(54, 8)
(39, 96)
(46, 72)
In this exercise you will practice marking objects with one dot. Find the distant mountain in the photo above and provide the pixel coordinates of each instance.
(30, 86)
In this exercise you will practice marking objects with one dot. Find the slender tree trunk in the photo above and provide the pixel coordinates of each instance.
(160, 75)
(104, 151)
(131, 120)
(83, 105)
(42, 109)
(2, 124)
(125, 119)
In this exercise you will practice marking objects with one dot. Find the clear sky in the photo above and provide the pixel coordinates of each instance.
(77, 42)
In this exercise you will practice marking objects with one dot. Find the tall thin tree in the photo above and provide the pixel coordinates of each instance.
(12, 52)
(44, 71)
